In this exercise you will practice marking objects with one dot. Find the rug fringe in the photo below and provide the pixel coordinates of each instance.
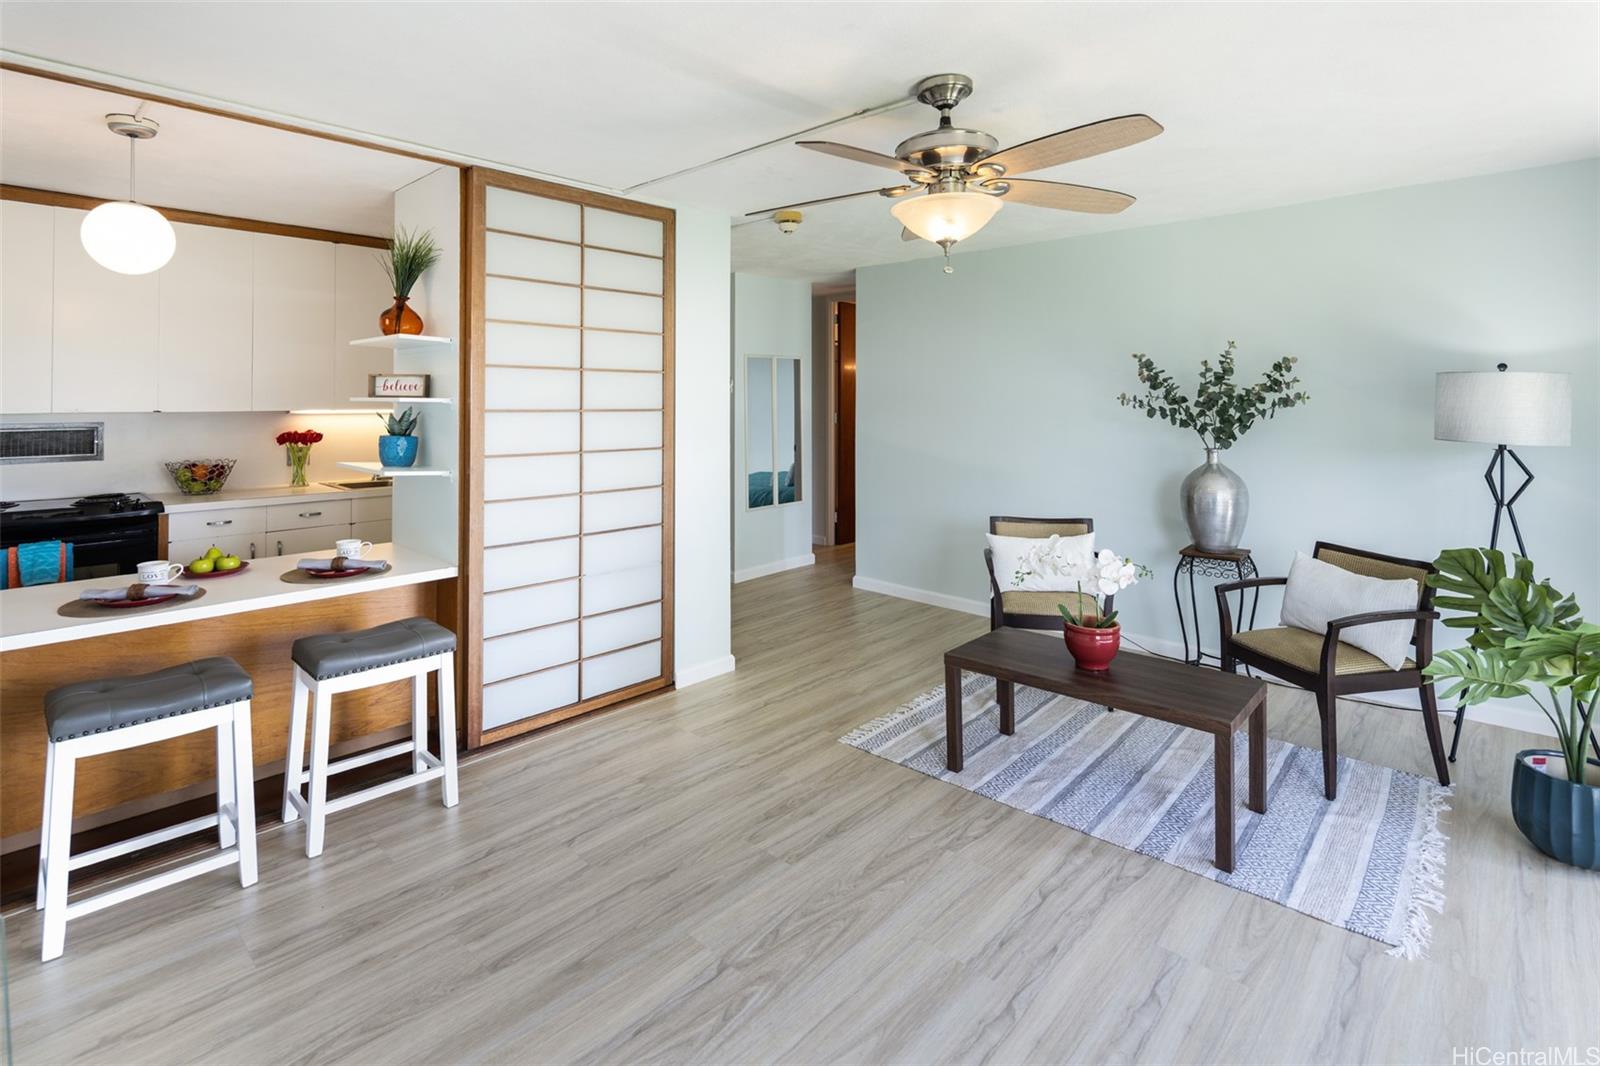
(1428, 880)
(912, 706)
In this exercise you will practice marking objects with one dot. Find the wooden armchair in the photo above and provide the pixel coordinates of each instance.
(1330, 668)
(1033, 610)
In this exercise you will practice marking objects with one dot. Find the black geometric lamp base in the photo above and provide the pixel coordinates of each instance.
(1495, 477)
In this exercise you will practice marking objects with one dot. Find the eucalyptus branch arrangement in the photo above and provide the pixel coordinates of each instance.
(409, 256)
(403, 424)
(1220, 412)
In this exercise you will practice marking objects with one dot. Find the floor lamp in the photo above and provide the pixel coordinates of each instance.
(1503, 408)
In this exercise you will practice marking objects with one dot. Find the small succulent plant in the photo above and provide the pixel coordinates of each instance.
(403, 424)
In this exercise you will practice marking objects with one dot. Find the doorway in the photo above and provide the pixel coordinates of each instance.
(844, 423)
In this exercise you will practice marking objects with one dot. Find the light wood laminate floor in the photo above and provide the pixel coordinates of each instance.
(710, 876)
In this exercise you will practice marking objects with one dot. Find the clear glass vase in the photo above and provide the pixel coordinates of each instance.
(299, 456)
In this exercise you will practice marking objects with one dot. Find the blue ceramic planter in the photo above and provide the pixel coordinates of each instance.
(397, 451)
(1561, 817)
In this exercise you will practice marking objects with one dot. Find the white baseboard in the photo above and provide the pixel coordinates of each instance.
(818, 540)
(1502, 713)
(684, 676)
(793, 563)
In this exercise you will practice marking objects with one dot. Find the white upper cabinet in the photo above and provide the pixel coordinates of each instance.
(27, 252)
(294, 323)
(205, 324)
(361, 294)
(105, 328)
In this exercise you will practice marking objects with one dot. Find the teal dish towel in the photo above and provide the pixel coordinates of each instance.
(43, 562)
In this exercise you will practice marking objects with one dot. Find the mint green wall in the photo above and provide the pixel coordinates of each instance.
(994, 390)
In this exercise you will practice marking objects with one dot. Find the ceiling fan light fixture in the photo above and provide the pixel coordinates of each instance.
(946, 216)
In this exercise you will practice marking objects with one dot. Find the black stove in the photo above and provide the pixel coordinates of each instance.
(110, 532)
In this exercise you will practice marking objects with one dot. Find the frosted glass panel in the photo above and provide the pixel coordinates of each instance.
(506, 612)
(621, 429)
(610, 270)
(621, 629)
(532, 301)
(514, 342)
(506, 209)
(608, 552)
(621, 669)
(513, 387)
(620, 310)
(630, 233)
(524, 697)
(529, 564)
(786, 423)
(618, 510)
(616, 389)
(623, 588)
(525, 257)
(621, 351)
(517, 433)
(523, 653)
(520, 520)
(620, 470)
(506, 478)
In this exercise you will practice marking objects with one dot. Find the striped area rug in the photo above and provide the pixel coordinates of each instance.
(1371, 862)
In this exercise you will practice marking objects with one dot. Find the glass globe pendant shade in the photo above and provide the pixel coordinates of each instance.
(946, 216)
(128, 238)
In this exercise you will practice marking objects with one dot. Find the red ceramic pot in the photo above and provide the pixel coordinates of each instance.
(1093, 649)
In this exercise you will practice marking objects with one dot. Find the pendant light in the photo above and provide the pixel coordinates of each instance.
(123, 235)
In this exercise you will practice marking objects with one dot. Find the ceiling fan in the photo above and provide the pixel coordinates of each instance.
(963, 180)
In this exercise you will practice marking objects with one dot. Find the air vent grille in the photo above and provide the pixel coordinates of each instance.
(52, 442)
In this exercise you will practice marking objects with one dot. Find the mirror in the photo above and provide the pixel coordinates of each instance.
(772, 430)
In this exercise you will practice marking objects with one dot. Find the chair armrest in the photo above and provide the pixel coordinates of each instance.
(1225, 613)
(996, 615)
(1330, 640)
(1250, 583)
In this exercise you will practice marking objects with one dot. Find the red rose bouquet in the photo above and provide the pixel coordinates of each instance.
(299, 442)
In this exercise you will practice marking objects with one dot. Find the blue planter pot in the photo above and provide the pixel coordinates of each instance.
(397, 451)
(1561, 817)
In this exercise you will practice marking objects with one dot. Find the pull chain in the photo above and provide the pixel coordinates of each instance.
(130, 169)
(948, 269)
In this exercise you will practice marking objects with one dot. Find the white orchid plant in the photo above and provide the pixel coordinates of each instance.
(1104, 573)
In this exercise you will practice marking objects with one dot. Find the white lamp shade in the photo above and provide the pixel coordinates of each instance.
(946, 216)
(1518, 408)
(128, 238)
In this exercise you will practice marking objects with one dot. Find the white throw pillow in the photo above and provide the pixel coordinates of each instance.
(1319, 592)
(1010, 554)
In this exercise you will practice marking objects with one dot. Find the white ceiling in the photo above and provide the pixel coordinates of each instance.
(1264, 104)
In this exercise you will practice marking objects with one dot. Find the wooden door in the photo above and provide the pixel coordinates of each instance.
(844, 526)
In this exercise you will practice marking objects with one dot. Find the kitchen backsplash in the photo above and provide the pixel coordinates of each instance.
(137, 444)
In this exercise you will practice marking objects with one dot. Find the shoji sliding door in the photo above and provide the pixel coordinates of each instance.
(569, 488)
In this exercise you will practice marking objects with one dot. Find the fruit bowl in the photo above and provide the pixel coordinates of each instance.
(200, 477)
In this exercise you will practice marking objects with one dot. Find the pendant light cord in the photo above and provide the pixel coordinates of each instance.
(130, 169)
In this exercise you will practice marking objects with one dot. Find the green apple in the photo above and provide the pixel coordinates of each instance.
(228, 562)
(213, 552)
(202, 566)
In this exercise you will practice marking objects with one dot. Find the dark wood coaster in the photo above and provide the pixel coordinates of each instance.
(86, 609)
(300, 577)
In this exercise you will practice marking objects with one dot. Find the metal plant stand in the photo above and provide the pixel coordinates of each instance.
(1235, 564)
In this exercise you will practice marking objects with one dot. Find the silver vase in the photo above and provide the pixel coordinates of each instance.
(1215, 505)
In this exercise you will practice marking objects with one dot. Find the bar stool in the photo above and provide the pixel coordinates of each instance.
(330, 663)
(93, 717)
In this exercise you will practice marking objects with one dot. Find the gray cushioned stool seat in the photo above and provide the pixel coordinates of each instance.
(332, 654)
(86, 707)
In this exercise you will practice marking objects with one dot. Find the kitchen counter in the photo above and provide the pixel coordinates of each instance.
(177, 501)
(28, 617)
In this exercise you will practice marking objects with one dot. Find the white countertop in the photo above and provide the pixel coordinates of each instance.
(28, 617)
(177, 501)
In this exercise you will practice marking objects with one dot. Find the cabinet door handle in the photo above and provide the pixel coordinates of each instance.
(252, 549)
(280, 547)
(224, 522)
(310, 514)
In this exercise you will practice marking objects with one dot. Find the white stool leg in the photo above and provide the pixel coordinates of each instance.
(447, 726)
(59, 804)
(244, 795)
(44, 821)
(419, 721)
(294, 762)
(321, 724)
(225, 790)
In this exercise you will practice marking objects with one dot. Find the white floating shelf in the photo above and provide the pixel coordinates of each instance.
(406, 342)
(379, 470)
(398, 400)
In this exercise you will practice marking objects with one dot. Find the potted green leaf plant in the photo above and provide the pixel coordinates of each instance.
(407, 258)
(1527, 638)
(398, 447)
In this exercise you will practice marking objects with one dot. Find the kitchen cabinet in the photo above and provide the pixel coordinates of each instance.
(27, 257)
(105, 328)
(293, 324)
(244, 545)
(376, 532)
(205, 336)
(361, 293)
(311, 539)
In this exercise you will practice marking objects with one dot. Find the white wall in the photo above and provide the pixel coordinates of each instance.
(1011, 404)
(771, 317)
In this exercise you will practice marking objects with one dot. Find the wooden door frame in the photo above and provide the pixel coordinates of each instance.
(476, 181)
(832, 536)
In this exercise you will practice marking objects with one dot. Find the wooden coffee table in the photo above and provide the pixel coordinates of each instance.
(1207, 700)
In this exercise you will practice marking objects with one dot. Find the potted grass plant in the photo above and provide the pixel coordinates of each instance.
(398, 447)
(1092, 633)
(407, 258)
(1526, 639)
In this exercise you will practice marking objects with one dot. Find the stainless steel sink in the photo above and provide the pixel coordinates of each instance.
(364, 483)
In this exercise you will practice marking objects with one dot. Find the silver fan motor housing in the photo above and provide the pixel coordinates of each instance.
(947, 146)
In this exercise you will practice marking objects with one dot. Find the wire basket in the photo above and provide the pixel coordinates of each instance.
(200, 477)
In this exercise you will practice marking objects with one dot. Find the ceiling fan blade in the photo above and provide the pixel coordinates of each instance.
(1064, 197)
(907, 235)
(1080, 142)
(863, 155)
(893, 190)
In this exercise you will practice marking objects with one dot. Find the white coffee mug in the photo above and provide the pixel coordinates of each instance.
(351, 549)
(156, 571)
